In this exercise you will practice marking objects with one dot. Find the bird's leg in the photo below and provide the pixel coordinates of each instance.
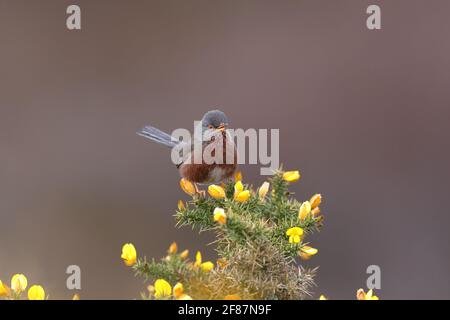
(202, 193)
(196, 188)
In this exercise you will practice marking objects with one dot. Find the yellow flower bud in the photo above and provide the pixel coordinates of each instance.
(371, 296)
(19, 283)
(207, 266)
(232, 297)
(162, 289)
(178, 290)
(315, 200)
(238, 176)
(129, 254)
(361, 295)
(242, 196)
(263, 190)
(305, 209)
(4, 290)
(217, 192)
(172, 248)
(315, 211)
(291, 176)
(184, 254)
(295, 234)
(181, 205)
(198, 259)
(36, 293)
(220, 216)
(187, 187)
(306, 252)
(238, 187)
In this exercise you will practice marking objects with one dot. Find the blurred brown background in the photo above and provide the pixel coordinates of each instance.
(363, 114)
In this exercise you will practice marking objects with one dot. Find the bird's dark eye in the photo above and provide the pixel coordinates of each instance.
(210, 126)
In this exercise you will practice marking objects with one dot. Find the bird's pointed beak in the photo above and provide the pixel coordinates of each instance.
(221, 128)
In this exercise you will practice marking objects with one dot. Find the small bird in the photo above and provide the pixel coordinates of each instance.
(214, 124)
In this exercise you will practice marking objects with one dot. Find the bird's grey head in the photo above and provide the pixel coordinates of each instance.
(214, 119)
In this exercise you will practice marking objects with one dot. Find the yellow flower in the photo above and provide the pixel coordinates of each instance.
(291, 176)
(315, 200)
(181, 205)
(238, 176)
(162, 289)
(187, 187)
(305, 209)
(4, 290)
(36, 293)
(178, 290)
(322, 297)
(315, 211)
(217, 192)
(263, 190)
(361, 295)
(238, 187)
(295, 234)
(184, 254)
(242, 196)
(220, 216)
(76, 296)
(306, 252)
(129, 254)
(198, 259)
(19, 283)
(205, 266)
(172, 248)
(232, 297)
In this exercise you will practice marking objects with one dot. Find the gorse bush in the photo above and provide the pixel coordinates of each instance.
(261, 235)
(261, 239)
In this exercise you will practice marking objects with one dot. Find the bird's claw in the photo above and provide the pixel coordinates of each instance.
(201, 193)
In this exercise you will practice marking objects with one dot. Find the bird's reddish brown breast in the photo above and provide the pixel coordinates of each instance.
(214, 172)
(207, 173)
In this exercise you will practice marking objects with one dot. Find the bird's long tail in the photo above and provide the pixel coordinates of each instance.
(159, 136)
